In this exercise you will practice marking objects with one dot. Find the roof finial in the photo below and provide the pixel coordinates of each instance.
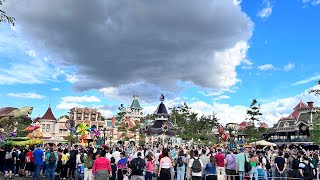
(161, 98)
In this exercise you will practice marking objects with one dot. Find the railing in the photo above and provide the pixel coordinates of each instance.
(290, 140)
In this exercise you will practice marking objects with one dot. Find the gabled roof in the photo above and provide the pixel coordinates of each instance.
(49, 115)
(301, 105)
(135, 103)
(161, 110)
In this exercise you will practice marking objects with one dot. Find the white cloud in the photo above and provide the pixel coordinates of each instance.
(312, 2)
(246, 64)
(307, 80)
(237, 2)
(266, 11)
(288, 67)
(26, 95)
(221, 97)
(267, 67)
(55, 89)
(69, 102)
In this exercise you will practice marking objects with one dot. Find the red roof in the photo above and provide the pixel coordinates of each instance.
(244, 123)
(301, 105)
(49, 115)
(264, 125)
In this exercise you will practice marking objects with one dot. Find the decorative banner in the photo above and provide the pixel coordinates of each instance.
(83, 130)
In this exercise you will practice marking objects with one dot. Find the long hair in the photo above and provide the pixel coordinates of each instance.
(191, 154)
(213, 161)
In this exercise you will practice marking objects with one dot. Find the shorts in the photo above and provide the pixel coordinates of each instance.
(231, 172)
(29, 167)
(8, 165)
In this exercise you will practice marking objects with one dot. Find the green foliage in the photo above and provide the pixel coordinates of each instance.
(254, 134)
(10, 124)
(254, 112)
(64, 116)
(315, 133)
(72, 138)
(6, 18)
(316, 92)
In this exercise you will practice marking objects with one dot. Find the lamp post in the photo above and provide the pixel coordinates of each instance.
(110, 137)
(104, 135)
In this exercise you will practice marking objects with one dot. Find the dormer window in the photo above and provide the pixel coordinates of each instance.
(286, 124)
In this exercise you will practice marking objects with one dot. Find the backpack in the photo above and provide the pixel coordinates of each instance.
(180, 162)
(52, 158)
(196, 166)
(8, 155)
(295, 163)
(247, 167)
(137, 167)
(64, 159)
(89, 163)
(307, 171)
(268, 165)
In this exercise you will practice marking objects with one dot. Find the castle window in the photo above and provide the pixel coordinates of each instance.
(43, 128)
(48, 127)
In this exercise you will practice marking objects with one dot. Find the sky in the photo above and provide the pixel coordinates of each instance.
(215, 55)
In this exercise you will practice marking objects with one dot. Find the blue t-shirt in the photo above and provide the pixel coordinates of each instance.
(37, 155)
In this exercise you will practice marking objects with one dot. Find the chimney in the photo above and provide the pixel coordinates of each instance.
(310, 104)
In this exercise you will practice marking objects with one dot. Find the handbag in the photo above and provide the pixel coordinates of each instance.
(247, 167)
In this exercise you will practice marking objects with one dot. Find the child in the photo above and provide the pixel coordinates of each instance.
(114, 168)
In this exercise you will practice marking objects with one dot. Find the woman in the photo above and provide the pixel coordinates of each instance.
(122, 166)
(114, 168)
(101, 167)
(211, 170)
(181, 165)
(64, 164)
(9, 162)
(165, 166)
(188, 173)
(149, 167)
(88, 163)
(253, 163)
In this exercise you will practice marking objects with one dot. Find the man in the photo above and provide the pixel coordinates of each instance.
(241, 158)
(38, 156)
(196, 166)
(307, 170)
(280, 164)
(137, 166)
(116, 155)
(231, 165)
(51, 164)
(205, 160)
(108, 155)
(221, 161)
(73, 161)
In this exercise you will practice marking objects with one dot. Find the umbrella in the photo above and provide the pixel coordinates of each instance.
(263, 143)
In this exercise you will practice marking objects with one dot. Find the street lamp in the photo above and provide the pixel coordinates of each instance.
(104, 135)
(110, 137)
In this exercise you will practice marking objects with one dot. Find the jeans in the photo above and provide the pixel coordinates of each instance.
(279, 175)
(241, 175)
(37, 169)
(180, 172)
(50, 171)
(254, 172)
(148, 176)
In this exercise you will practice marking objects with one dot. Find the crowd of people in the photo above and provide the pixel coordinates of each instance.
(158, 162)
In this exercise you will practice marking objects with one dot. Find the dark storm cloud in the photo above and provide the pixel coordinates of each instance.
(113, 43)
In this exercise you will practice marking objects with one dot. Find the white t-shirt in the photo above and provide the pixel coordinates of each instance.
(108, 156)
(157, 158)
(116, 156)
(190, 165)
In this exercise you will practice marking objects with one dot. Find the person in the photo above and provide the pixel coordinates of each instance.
(64, 161)
(241, 158)
(221, 161)
(9, 162)
(101, 167)
(149, 167)
(73, 161)
(295, 173)
(88, 163)
(29, 169)
(253, 160)
(196, 166)
(22, 164)
(181, 165)
(280, 166)
(210, 169)
(231, 165)
(59, 164)
(205, 160)
(165, 166)
(188, 172)
(51, 164)
(262, 172)
(38, 156)
(122, 166)
(137, 166)
(114, 168)
(306, 169)
(116, 155)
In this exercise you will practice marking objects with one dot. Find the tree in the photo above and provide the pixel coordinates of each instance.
(64, 116)
(254, 134)
(72, 138)
(315, 133)
(316, 92)
(6, 18)
(254, 112)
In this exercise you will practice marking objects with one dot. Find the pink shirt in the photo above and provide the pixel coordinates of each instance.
(101, 164)
(150, 166)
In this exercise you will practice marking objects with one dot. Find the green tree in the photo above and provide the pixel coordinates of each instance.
(72, 138)
(253, 112)
(4, 17)
(315, 133)
(254, 134)
(316, 92)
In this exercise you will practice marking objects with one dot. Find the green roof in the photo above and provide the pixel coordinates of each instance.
(135, 104)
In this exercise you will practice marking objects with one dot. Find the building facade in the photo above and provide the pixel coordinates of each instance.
(88, 116)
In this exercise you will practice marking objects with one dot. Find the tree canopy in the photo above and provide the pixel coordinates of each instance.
(4, 17)
(253, 112)
(316, 92)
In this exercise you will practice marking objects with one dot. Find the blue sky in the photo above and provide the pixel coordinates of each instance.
(217, 56)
